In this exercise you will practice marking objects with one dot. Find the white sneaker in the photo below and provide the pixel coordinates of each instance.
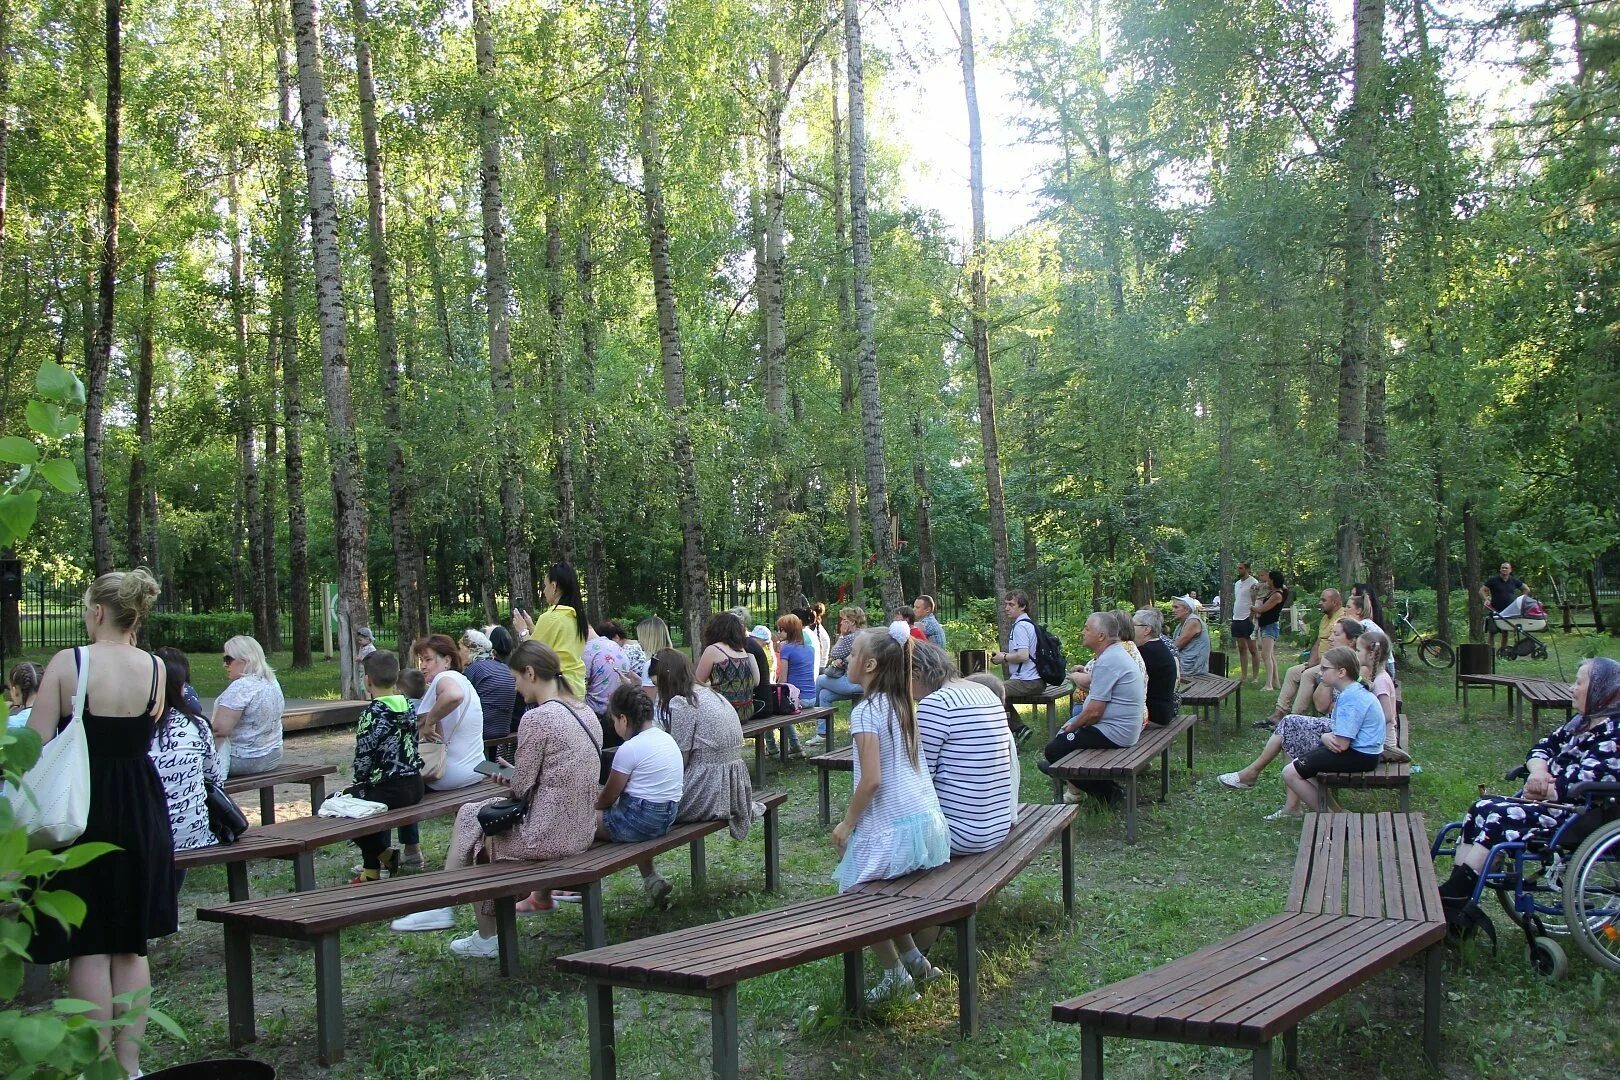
(894, 986)
(815, 742)
(1281, 815)
(477, 945)
(433, 919)
(1234, 781)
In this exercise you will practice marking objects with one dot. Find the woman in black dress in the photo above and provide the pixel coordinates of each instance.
(129, 894)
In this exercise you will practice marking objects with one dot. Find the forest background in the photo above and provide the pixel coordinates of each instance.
(419, 297)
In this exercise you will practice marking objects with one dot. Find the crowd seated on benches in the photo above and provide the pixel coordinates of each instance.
(1114, 709)
(1586, 749)
(1191, 636)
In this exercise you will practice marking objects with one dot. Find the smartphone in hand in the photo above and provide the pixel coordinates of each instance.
(494, 768)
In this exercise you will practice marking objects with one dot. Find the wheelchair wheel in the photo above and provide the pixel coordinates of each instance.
(1436, 653)
(1592, 897)
(1546, 924)
(1547, 957)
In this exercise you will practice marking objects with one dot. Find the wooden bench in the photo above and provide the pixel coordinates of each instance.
(1049, 696)
(826, 764)
(1363, 900)
(1128, 763)
(299, 838)
(310, 715)
(1206, 693)
(1540, 693)
(1385, 775)
(759, 727)
(711, 960)
(265, 784)
(321, 916)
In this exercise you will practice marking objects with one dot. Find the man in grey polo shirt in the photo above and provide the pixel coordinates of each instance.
(1116, 695)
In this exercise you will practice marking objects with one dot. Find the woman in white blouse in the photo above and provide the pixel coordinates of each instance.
(451, 710)
(247, 715)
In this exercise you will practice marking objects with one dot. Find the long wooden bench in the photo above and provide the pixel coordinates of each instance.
(309, 715)
(1540, 693)
(710, 961)
(760, 727)
(1048, 696)
(1385, 775)
(841, 760)
(321, 916)
(1363, 900)
(265, 784)
(299, 838)
(1207, 692)
(1128, 763)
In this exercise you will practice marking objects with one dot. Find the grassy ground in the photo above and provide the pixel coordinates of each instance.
(318, 681)
(1204, 866)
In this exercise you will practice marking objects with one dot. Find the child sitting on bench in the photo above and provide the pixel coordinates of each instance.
(643, 790)
(387, 768)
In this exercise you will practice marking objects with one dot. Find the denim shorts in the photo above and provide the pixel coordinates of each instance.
(631, 819)
(1271, 630)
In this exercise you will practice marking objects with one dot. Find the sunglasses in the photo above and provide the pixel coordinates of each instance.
(228, 659)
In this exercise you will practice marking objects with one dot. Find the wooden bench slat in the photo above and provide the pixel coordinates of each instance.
(1302, 862)
(291, 774)
(1155, 741)
(978, 877)
(1394, 896)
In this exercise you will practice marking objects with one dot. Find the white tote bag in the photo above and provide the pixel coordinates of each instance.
(53, 800)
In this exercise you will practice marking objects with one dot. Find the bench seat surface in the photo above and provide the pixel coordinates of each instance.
(977, 878)
(1366, 865)
(1207, 689)
(840, 760)
(1386, 774)
(719, 954)
(1124, 760)
(291, 774)
(1252, 987)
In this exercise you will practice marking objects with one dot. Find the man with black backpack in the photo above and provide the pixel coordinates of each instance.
(1024, 678)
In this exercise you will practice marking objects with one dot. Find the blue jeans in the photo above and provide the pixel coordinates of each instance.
(831, 688)
(630, 819)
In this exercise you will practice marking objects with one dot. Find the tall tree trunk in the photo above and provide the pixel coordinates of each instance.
(100, 353)
(789, 589)
(1032, 558)
(846, 358)
(292, 402)
(1359, 344)
(694, 559)
(348, 485)
(441, 303)
(927, 573)
(877, 480)
(1472, 577)
(498, 299)
(247, 452)
(5, 127)
(1001, 557)
(1442, 555)
(596, 594)
(562, 433)
(139, 547)
(267, 486)
(400, 491)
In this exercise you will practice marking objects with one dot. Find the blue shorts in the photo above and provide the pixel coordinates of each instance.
(630, 819)
(1271, 630)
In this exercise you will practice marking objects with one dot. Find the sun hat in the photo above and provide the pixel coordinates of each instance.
(760, 633)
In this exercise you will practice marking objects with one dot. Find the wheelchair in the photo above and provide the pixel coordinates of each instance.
(1564, 886)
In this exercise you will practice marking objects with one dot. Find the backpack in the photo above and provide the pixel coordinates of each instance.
(1050, 663)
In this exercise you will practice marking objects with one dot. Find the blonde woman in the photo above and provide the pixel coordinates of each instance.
(247, 716)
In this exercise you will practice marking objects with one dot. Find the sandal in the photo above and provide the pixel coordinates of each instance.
(529, 906)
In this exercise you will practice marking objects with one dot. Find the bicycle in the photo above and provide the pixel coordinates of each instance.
(1435, 652)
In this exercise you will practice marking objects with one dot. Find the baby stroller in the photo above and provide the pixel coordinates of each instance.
(1522, 618)
(1563, 886)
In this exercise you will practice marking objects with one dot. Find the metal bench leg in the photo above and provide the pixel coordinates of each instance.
(590, 896)
(239, 985)
(1090, 1054)
(1291, 1049)
(824, 796)
(1321, 797)
(1164, 775)
(1066, 845)
(506, 933)
(773, 849)
(1057, 790)
(1431, 1005)
(1051, 720)
(854, 983)
(1130, 809)
(317, 793)
(303, 871)
(236, 880)
(599, 1024)
(267, 805)
(723, 1031)
(328, 999)
(1262, 1061)
(967, 975)
(700, 864)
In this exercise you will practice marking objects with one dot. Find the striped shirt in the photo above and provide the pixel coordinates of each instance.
(968, 750)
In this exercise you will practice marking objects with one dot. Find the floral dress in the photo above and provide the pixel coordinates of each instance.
(1573, 756)
(716, 784)
(902, 829)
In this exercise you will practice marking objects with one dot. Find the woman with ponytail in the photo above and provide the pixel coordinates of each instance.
(893, 825)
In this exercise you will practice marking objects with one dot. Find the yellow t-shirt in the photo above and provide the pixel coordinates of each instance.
(558, 627)
(1324, 632)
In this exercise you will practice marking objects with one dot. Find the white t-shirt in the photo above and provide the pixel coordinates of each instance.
(1243, 597)
(652, 761)
(823, 646)
(1022, 638)
(462, 730)
(258, 732)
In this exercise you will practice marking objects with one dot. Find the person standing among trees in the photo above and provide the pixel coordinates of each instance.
(562, 625)
(128, 893)
(1243, 622)
(1498, 591)
(1022, 678)
(1268, 610)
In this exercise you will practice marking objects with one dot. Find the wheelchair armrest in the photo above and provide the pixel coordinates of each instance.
(1521, 773)
(1594, 789)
